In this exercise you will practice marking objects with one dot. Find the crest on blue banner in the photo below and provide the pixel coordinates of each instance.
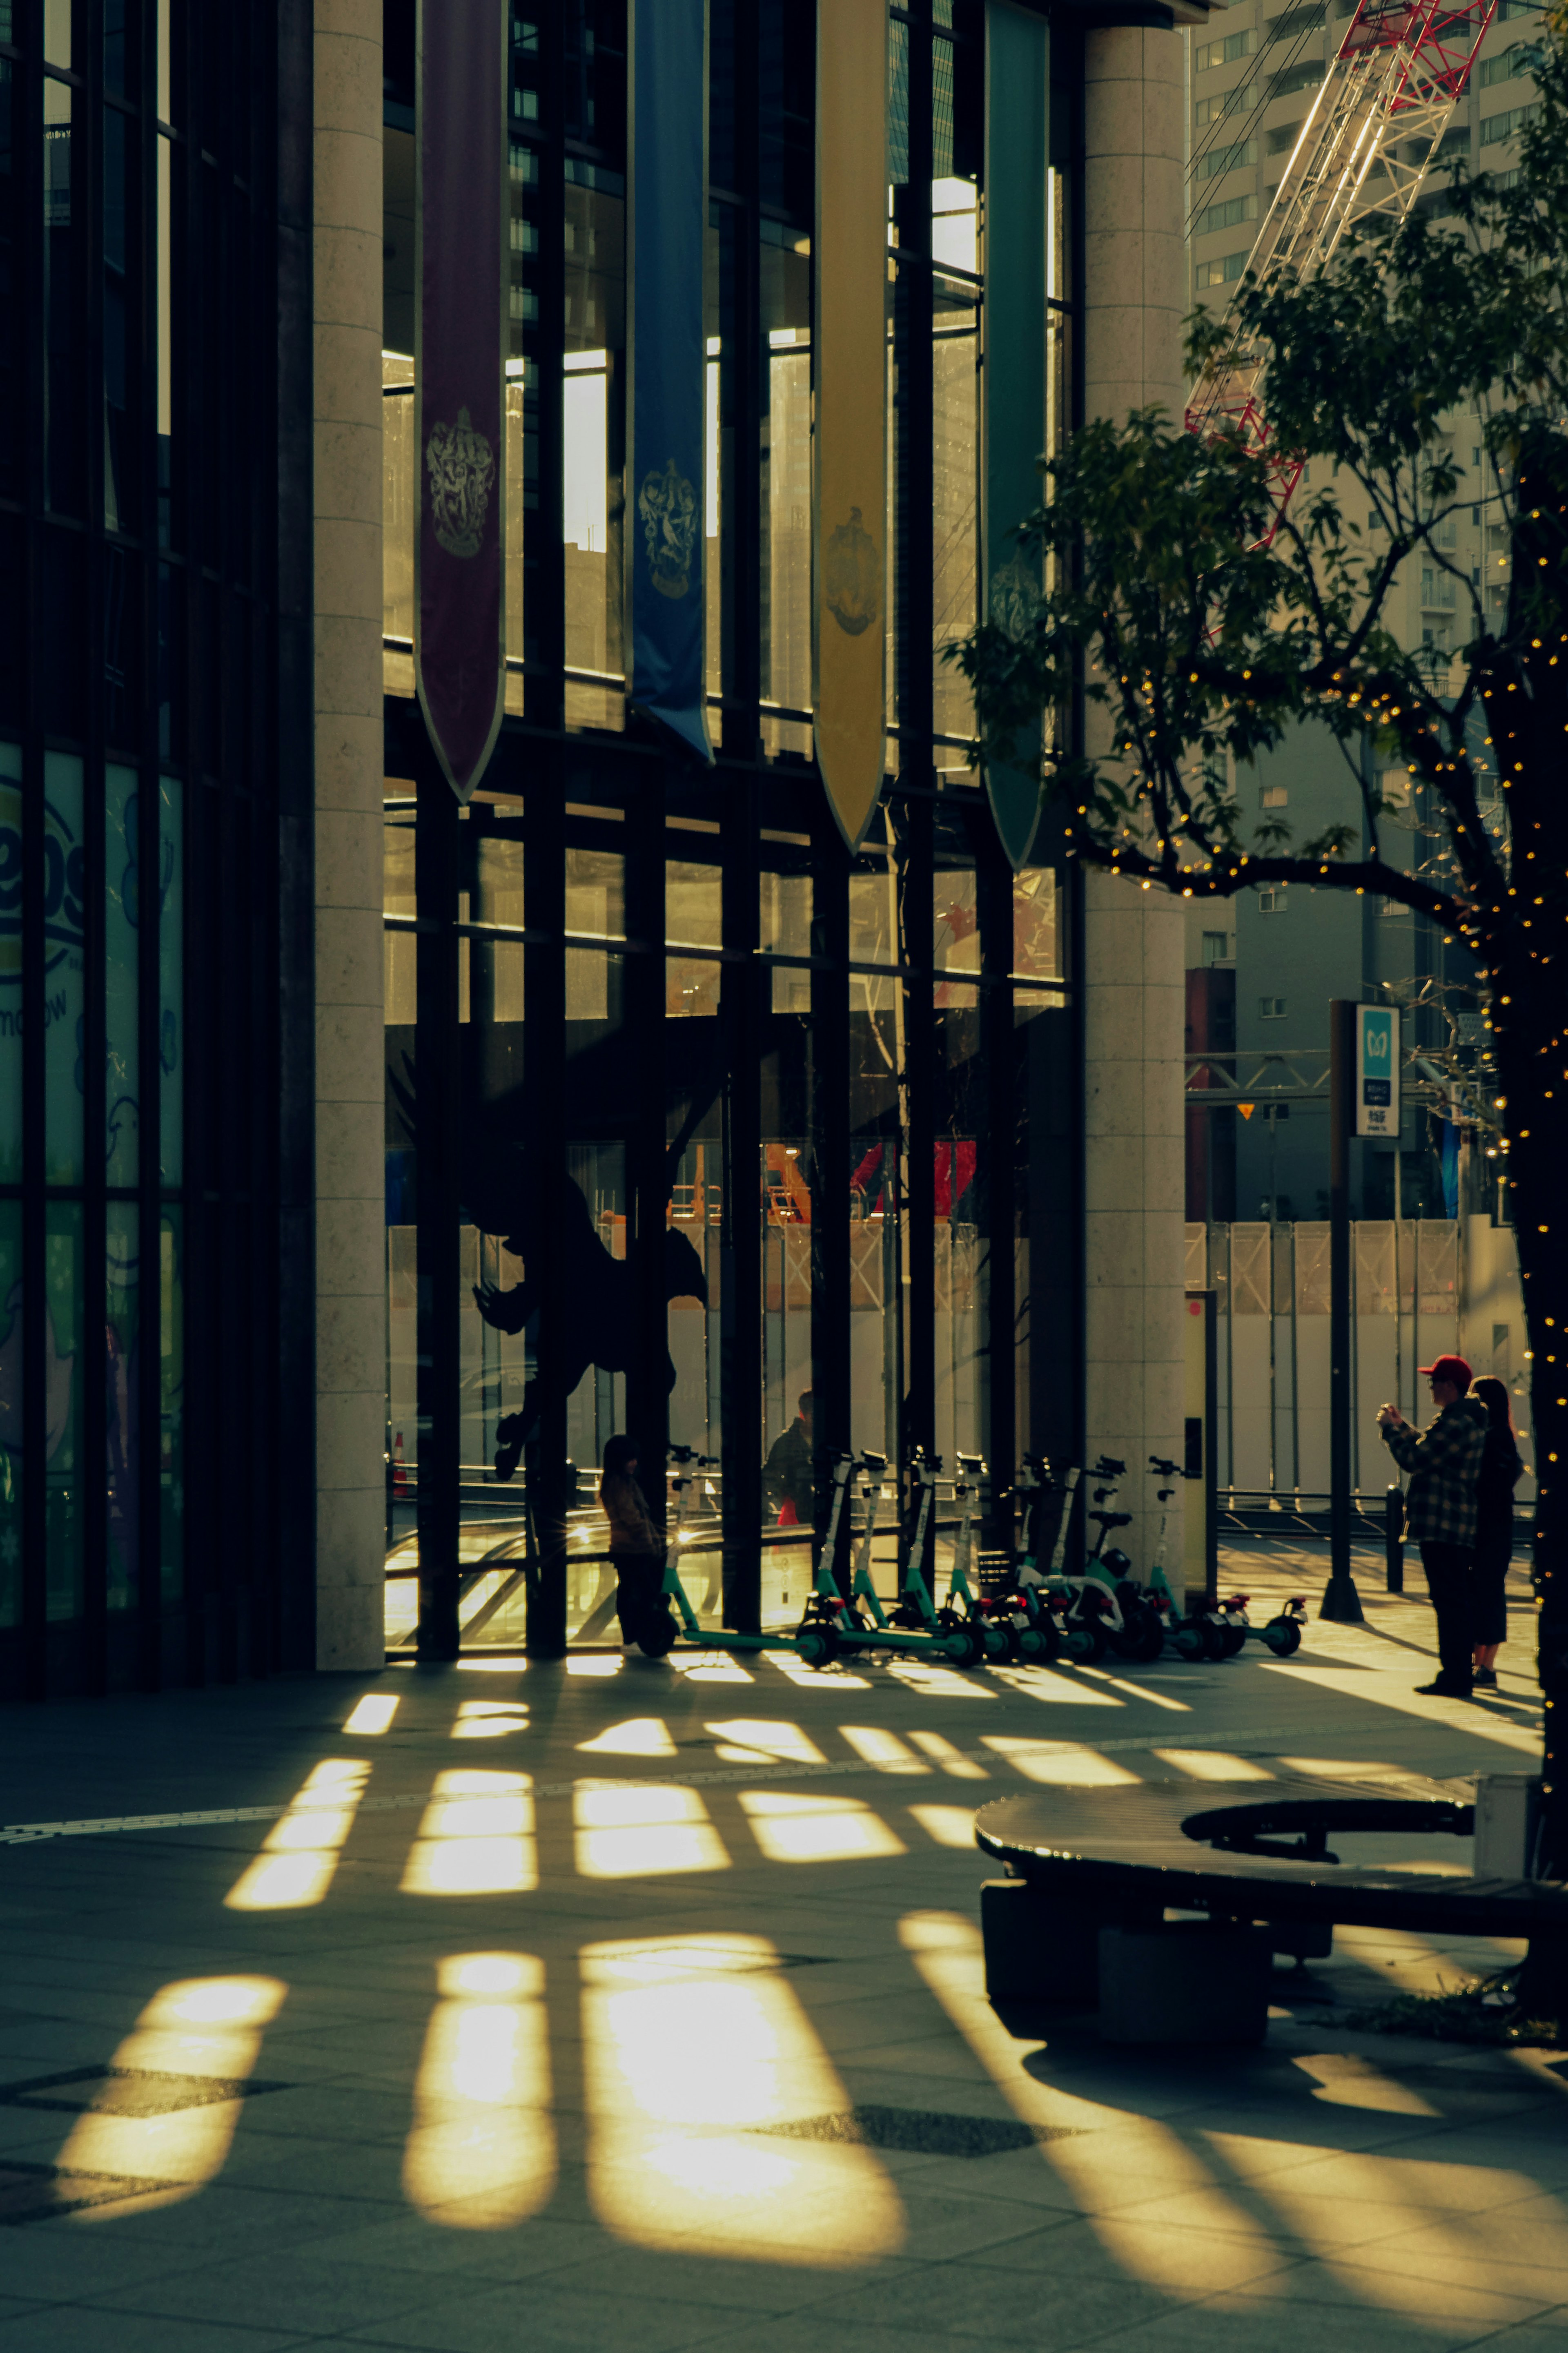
(667, 509)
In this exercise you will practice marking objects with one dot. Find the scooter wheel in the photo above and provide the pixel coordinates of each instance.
(817, 1645)
(1131, 1639)
(963, 1646)
(1037, 1644)
(1085, 1643)
(1283, 1636)
(1232, 1639)
(658, 1636)
(1194, 1639)
(998, 1642)
(1152, 1644)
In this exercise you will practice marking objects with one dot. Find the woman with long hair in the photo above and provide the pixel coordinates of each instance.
(1501, 1471)
(636, 1546)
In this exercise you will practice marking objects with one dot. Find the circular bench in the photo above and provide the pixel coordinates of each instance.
(1081, 1915)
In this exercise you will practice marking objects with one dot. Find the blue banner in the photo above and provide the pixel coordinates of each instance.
(666, 537)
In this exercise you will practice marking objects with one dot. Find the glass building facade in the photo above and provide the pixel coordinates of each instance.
(145, 508)
(690, 1111)
(687, 1110)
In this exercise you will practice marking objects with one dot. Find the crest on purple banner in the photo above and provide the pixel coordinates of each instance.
(459, 636)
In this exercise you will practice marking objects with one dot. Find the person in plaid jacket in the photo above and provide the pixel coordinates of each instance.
(1443, 1462)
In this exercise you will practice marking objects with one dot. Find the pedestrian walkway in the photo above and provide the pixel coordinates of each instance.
(610, 2002)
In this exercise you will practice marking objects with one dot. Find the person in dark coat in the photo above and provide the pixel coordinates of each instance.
(636, 1546)
(787, 1481)
(1444, 1463)
(1501, 1471)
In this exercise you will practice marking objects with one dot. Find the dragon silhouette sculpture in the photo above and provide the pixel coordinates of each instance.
(597, 1324)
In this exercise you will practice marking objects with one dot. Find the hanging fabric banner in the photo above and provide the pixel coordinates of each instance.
(666, 538)
(849, 514)
(1017, 156)
(460, 281)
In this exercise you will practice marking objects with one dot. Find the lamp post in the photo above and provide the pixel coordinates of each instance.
(1341, 1600)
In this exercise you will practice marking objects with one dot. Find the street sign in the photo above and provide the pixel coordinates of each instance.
(1376, 1070)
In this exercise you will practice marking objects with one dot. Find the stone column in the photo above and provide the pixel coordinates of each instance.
(1135, 297)
(351, 1257)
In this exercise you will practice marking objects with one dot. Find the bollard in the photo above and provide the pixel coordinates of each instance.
(1393, 1537)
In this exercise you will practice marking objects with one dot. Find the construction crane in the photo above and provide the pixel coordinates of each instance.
(1374, 133)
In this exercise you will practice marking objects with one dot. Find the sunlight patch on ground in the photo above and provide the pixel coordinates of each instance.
(476, 1837)
(1212, 1765)
(197, 2026)
(299, 1854)
(480, 2153)
(878, 1746)
(373, 1714)
(486, 1719)
(746, 1740)
(792, 1829)
(686, 2071)
(631, 1833)
(948, 1825)
(640, 1735)
(1066, 1763)
(951, 1759)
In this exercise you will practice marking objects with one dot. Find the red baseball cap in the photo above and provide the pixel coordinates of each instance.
(1452, 1369)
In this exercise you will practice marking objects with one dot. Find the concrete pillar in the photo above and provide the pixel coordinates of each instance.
(350, 1258)
(1134, 296)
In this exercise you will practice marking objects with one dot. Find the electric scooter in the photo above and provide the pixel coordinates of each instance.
(663, 1631)
(834, 1624)
(1036, 1637)
(1105, 1608)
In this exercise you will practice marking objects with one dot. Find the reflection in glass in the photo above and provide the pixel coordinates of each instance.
(64, 1005)
(400, 949)
(10, 1412)
(1036, 945)
(122, 1343)
(785, 929)
(397, 518)
(784, 668)
(64, 1374)
(12, 985)
(171, 1400)
(121, 900)
(62, 307)
(693, 918)
(593, 457)
(957, 1265)
(172, 979)
(955, 435)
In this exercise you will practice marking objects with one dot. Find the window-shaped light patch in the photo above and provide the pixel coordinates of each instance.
(632, 1829)
(476, 1837)
(1065, 1764)
(487, 1719)
(299, 1854)
(1214, 1765)
(697, 2060)
(640, 1735)
(196, 2027)
(480, 2154)
(373, 1714)
(793, 1828)
(947, 1825)
(951, 1759)
(746, 1739)
(879, 1747)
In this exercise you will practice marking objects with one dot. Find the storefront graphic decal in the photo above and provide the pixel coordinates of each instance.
(667, 414)
(1017, 119)
(849, 490)
(460, 382)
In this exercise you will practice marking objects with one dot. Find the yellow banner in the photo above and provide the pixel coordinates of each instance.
(849, 514)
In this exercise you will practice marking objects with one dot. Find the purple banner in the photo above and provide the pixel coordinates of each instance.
(459, 639)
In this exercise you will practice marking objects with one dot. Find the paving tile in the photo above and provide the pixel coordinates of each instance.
(549, 2320)
(90, 2328)
(305, 2293)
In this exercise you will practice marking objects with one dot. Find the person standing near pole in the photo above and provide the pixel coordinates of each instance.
(1501, 1471)
(1444, 1464)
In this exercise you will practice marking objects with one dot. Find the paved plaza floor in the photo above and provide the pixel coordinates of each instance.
(613, 2004)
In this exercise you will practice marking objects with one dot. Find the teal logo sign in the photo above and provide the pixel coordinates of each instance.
(1377, 1071)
